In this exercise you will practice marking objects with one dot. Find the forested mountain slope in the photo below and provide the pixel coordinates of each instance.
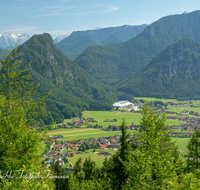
(173, 73)
(73, 90)
(78, 41)
(115, 62)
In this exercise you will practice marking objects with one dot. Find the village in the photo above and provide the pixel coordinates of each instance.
(104, 146)
(59, 150)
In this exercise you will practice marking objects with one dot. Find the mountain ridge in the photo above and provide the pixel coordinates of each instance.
(172, 73)
(121, 60)
(97, 37)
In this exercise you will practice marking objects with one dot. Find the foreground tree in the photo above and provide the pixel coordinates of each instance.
(20, 108)
(90, 169)
(77, 166)
(119, 173)
(61, 183)
(193, 161)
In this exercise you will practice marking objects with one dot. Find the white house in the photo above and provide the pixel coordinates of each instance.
(123, 104)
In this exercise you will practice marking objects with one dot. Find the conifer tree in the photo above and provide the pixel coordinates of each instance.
(90, 169)
(114, 167)
(193, 161)
(61, 183)
(77, 166)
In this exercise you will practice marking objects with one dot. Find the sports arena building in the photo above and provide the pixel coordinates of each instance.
(123, 104)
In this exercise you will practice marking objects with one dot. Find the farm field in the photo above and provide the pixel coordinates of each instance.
(129, 117)
(98, 159)
(71, 132)
(181, 142)
(85, 133)
(156, 99)
(173, 122)
(91, 135)
(179, 109)
(100, 116)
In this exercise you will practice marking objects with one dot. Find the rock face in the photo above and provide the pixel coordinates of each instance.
(8, 40)
(173, 73)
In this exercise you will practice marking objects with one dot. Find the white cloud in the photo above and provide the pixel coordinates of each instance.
(111, 8)
(65, 1)
(21, 30)
(54, 10)
(50, 14)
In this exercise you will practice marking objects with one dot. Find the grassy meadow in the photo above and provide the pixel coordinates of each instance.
(181, 142)
(98, 159)
(84, 134)
(89, 153)
(156, 99)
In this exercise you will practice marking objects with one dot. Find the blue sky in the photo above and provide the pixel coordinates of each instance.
(64, 16)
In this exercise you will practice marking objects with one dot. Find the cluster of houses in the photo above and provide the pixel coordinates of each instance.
(57, 153)
(173, 103)
(77, 122)
(189, 125)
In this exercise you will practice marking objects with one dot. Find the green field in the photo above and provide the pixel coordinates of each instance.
(98, 159)
(72, 132)
(129, 117)
(179, 109)
(92, 135)
(181, 142)
(171, 122)
(100, 116)
(156, 99)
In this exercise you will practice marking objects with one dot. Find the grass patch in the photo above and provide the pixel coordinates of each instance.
(179, 109)
(93, 156)
(107, 150)
(171, 122)
(100, 116)
(155, 99)
(181, 142)
(93, 135)
(67, 132)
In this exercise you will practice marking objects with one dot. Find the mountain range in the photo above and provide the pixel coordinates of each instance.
(113, 63)
(9, 40)
(161, 61)
(78, 41)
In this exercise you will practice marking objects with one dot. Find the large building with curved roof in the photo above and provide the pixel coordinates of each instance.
(123, 104)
